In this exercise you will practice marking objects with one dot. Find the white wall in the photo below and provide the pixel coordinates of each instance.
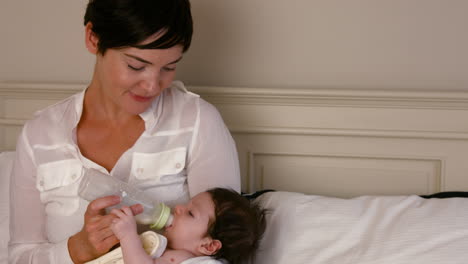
(386, 44)
(43, 41)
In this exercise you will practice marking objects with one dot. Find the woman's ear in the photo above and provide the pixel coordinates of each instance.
(209, 246)
(91, 40)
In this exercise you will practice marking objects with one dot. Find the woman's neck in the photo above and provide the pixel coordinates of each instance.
(98, 107)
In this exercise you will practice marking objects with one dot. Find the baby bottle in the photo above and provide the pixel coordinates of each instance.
(95, 184)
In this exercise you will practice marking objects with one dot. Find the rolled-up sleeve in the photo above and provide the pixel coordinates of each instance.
(28, 237)
(213, 159)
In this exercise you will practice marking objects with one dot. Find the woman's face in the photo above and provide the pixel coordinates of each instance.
(129, 79)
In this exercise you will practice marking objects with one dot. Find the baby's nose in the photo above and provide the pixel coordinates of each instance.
(178, 209)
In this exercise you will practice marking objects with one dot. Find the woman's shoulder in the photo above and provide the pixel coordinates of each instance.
(206, 108)
(187, 102)
(55, 121)
(55, 111)
(179, 92)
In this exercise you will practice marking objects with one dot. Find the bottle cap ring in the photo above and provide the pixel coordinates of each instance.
(163, 217)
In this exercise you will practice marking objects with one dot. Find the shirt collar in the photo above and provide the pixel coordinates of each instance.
(150, 116)
(73, 121)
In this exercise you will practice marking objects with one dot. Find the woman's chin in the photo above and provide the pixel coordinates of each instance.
(136, 109)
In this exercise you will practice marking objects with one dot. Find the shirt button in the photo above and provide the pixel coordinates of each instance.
(140, 170)
(73, 176)
(41, 183)
(178, 165)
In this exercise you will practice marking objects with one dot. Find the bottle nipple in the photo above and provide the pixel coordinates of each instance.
(169, 220)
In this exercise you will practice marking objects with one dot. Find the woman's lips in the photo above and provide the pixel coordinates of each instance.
(142, 99)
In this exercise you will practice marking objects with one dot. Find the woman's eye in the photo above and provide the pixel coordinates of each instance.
(190, 213)
(135, 68)
(169, 69)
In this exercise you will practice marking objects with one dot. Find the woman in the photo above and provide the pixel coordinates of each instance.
(132, 122)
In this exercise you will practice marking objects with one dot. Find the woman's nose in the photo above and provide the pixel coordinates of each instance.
(150, 86)
(151, 82)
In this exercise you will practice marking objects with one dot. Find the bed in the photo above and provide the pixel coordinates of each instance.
(347, 167)
(319, 229)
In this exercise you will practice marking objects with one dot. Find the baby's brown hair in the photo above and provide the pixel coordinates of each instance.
(239, 224)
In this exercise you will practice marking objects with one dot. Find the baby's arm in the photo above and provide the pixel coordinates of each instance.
(125, 229)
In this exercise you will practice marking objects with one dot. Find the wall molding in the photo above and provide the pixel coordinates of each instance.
(284, 97)
(336, 97)
(351, 132)
(443, 99)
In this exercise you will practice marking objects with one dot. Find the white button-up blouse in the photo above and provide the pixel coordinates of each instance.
(185, 149)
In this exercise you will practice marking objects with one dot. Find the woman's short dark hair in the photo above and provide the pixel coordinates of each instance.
(239, 224)
(127, 23)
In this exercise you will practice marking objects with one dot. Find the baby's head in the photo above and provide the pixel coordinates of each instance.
(219, 223)
(239, 225)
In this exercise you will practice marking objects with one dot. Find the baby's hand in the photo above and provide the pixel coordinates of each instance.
(125, 224)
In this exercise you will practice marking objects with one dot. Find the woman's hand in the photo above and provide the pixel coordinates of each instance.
(96, 237)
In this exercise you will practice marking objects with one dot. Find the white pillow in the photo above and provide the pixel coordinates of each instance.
(368, 229)
(6, 162)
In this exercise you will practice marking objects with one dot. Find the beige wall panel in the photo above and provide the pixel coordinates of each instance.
(345, 176)
(347, 166)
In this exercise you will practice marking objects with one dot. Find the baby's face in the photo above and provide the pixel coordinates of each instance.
(190, 224)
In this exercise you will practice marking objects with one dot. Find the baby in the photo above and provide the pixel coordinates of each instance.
(219, 223)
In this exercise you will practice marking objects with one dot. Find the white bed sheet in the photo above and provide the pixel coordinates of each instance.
(378, 230)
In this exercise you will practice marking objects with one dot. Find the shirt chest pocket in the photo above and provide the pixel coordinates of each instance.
(162, 168)
(58, 184)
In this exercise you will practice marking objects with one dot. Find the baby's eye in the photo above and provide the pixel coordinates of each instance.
(190, 213)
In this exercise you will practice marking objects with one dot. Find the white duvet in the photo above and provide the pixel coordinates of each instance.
(385, 229)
